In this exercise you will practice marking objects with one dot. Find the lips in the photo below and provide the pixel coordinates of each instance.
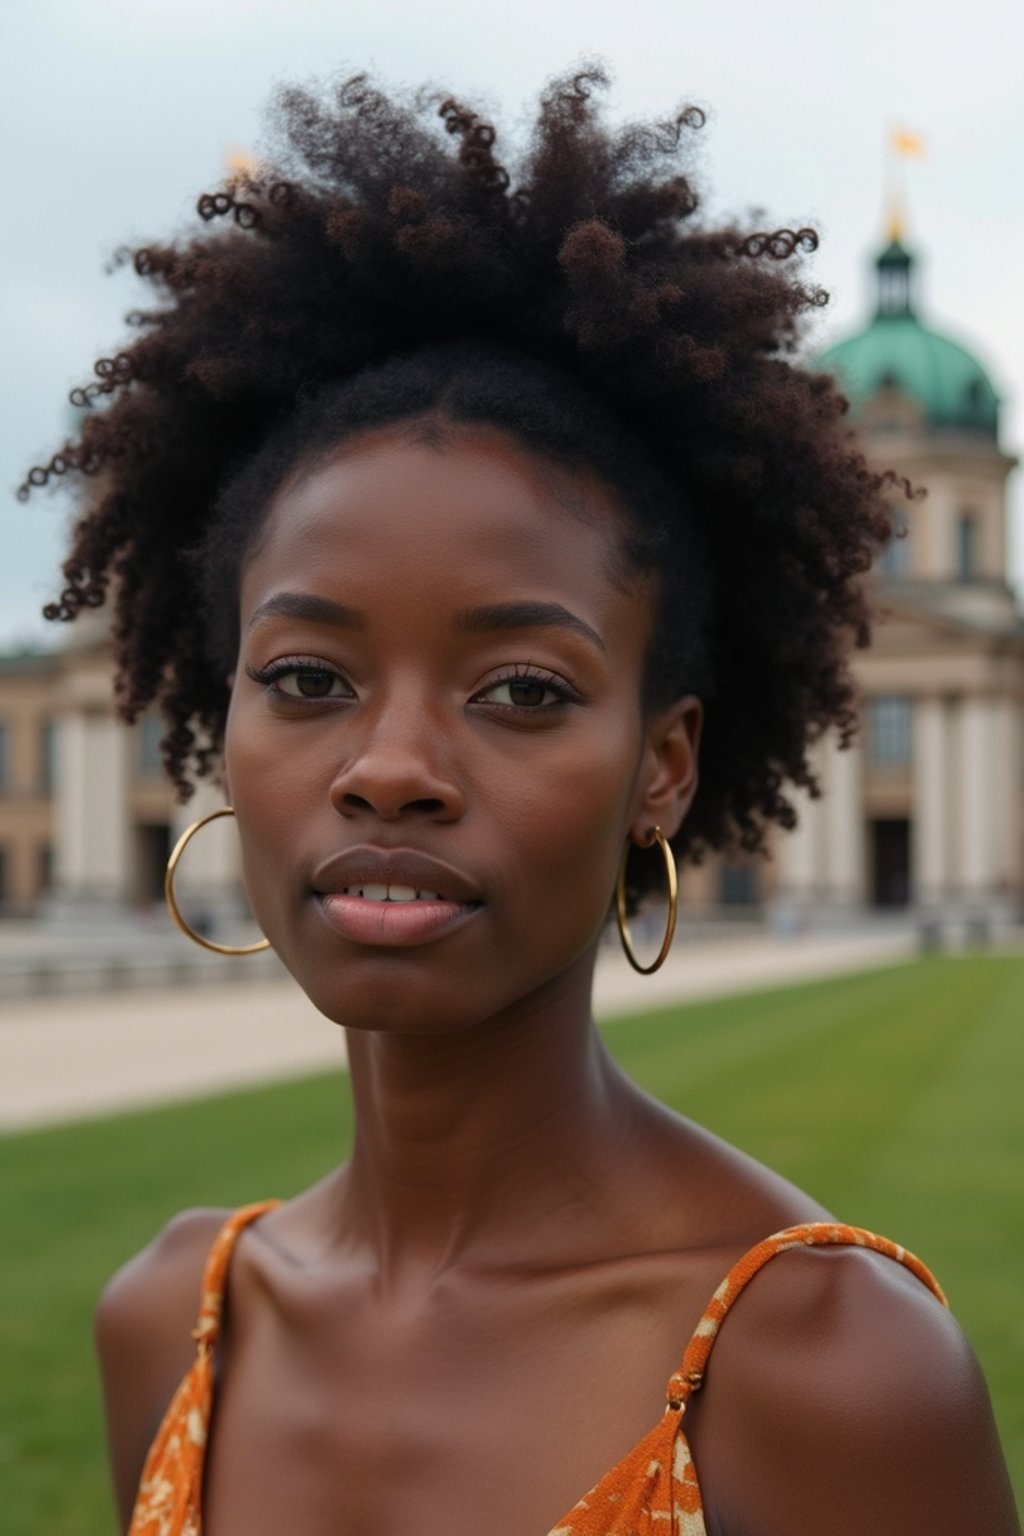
(365, 866)
(393, 898)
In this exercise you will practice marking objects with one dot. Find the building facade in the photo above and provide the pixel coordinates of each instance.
(87, 816)
(27, 777)
(927, 809)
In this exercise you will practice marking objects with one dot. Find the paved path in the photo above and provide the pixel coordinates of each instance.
(64, 1058)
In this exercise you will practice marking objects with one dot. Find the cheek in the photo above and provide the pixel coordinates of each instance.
(271, 765)
(272, 795)
(252, 769)
(564, 830)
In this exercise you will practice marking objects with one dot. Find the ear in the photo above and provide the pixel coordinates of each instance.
(667, 778)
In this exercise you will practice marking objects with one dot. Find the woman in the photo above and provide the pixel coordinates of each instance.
(462, 520)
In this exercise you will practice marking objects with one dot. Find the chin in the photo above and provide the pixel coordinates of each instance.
(382, 996)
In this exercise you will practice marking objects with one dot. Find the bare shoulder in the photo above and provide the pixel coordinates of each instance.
(143, 1335)
(149, 1306)
(842, 1397)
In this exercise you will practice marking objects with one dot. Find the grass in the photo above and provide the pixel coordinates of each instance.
(894, 1096)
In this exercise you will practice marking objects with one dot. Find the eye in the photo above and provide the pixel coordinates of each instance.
(522, 693)
(309, 683)
(300, 680)
(528, 691)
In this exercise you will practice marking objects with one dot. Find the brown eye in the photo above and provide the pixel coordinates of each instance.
(523, 693)
(309, 683)
(314, 685)
(527, 690)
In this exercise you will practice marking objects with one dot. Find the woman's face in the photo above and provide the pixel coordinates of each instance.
(435, 746)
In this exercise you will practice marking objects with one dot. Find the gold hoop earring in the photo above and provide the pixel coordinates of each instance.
(172, 905)
(657, 836)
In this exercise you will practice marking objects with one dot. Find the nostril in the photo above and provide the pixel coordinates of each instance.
(428, 806)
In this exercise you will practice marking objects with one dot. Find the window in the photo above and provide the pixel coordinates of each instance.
(894, 288)
(889, 721)
(151, 763)
(966, 547)
(895, 557)
(47, 756)
(45, 868)
(738, 885)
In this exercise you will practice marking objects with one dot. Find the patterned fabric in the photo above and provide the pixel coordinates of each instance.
(170, 1497)
(653, 1491)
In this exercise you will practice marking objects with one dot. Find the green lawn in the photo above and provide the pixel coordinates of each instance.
(895, 1097)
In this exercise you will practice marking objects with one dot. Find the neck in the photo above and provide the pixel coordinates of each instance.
(469, 1146)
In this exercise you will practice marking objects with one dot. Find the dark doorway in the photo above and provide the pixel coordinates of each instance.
(890, 863)
(153, 848)
(738, 885)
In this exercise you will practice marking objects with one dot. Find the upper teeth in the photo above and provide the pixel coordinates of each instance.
(390, 893)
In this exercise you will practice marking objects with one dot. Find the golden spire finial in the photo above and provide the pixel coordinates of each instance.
(240, 165)
(907, 144)
(903, 145)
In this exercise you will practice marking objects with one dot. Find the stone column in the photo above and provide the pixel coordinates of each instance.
(844, 811)
(936, 553)
(801, 854)
(977, 798)
(1009, 802)
(930, 836)
(92, 842)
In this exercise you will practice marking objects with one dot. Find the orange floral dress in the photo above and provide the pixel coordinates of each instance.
(653, 1491)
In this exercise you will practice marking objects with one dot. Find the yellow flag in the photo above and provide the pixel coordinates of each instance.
(240, 163)
(905, 143)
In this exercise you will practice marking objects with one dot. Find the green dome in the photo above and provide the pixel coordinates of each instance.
(897, 352)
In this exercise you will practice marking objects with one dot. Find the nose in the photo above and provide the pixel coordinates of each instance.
(398, 766)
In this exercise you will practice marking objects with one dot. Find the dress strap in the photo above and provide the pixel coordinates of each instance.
(690, 1375)
(211, 1300)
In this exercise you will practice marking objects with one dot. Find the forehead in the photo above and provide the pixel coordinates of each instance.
(411, 518)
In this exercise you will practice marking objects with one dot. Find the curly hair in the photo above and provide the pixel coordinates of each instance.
(384, 264)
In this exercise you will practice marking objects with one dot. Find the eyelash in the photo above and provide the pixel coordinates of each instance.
(292, 666)
(564, 691)
(269, 676)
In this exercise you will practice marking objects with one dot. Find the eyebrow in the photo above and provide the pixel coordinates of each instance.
(468, 621)
(474, 621)
(305, 605)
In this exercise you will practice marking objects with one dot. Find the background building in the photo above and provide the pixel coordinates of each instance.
(27, 751)
(928, 808)
(87, 817)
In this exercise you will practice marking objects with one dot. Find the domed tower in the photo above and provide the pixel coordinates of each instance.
(927, 810)
(925, 406)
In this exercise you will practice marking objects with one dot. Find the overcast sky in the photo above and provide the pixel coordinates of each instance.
(114, 114)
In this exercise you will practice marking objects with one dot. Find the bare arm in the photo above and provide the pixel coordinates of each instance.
(841, 1398)
(143, 1336)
